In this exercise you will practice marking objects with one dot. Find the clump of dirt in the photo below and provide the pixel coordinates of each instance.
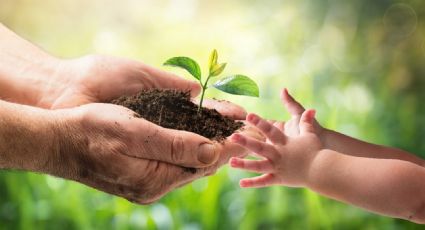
(173, 109)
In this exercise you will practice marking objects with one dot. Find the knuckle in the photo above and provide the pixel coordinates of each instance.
(177, 149)
(260, 148)
(266, 127)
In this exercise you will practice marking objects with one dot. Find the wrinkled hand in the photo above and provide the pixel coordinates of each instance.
(97, 78)
(110, 149)
(128, 156)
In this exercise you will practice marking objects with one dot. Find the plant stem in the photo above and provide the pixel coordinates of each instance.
(204, 88)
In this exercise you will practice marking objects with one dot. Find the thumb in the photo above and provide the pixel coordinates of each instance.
(291, 105)
(177, 147)
(306, 122)
(191, 150)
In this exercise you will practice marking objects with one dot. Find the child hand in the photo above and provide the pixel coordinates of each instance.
(285, 159)
(295, 109)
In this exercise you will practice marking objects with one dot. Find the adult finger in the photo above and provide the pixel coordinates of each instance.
(157, 78)
(225, 108)
(150, 141)
(165, 178)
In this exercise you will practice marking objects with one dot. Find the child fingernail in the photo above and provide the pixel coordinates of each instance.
(243, 183)
(233, 162)
(312, 113)
(252, 117)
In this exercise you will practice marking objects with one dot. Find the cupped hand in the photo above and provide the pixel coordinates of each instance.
(107, 147)
(98, 78)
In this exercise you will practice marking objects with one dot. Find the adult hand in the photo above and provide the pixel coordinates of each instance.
(106, 147)
(30, 76)
(98, 78)
(101, 148)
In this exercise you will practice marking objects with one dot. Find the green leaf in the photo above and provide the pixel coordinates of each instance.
(239, 85)
(186, 63)
(217, 69)
(213, 59)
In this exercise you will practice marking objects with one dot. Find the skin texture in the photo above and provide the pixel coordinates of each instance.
(30, 76)
(101, 145)
(104, 146)
(300, 153)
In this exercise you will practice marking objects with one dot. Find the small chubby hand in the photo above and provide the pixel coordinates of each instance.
(283, 159)
(291, 127)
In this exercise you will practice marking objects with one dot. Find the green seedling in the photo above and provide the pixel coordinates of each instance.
(235, 84)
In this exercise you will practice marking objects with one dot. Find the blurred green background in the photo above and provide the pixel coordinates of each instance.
(360, 63)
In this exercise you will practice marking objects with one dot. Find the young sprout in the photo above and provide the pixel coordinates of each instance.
(235, 84)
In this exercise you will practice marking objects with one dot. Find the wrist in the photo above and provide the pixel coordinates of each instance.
(321, 161)
(27, 137)
(70, 143)
(30, 80)
(26, 71)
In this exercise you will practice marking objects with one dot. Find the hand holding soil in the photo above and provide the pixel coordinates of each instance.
(99, 78)
(109, 148)
(104, 146)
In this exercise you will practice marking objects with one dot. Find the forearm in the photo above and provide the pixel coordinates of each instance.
(27, 137)
(390, 187)
(25, 69)
(351, 146)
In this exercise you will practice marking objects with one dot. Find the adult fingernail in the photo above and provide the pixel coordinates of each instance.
(207, 153)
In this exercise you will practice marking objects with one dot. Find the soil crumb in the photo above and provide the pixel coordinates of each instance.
(173, 109)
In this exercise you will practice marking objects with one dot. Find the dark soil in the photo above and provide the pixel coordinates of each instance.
(173, 109)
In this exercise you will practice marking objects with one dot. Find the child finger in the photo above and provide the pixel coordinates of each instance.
(291, 105)
(306, 121)
(258, 182)
(279, 124)
(258, 166)
(256, 155)
(254, 145)
(270, 131)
